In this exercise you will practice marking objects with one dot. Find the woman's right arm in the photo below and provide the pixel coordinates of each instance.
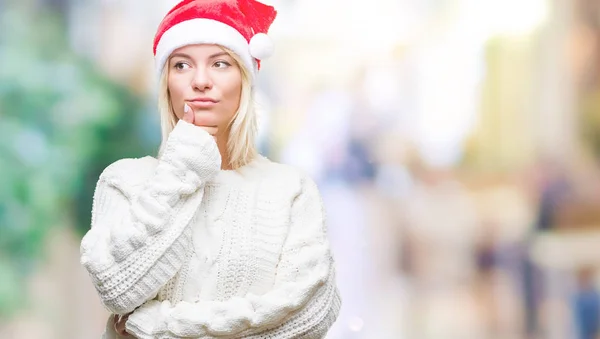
(140, 232)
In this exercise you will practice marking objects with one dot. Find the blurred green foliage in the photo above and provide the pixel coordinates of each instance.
(589, 109)
(61, 123)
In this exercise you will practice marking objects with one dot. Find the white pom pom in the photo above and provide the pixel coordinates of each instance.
(261, 46)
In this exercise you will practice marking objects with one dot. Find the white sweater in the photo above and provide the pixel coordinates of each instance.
(199, 252)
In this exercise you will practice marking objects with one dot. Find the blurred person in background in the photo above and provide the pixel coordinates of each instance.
(210, 239)
(553, 188)
(586, 305)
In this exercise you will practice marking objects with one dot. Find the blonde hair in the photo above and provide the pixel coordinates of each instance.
(242, 128)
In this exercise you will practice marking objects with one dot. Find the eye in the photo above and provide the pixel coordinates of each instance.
(181, 65)
(221, 64)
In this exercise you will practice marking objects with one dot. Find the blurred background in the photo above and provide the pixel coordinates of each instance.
(456, 144)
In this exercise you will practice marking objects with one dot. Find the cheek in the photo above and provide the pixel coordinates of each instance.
(176, 93)
(234, 92)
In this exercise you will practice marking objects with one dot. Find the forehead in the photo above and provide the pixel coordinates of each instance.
(199, 50)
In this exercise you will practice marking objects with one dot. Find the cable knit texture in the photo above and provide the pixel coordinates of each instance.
(141, 218)
(204, 253)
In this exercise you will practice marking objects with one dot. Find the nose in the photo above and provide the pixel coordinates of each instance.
(201, 80)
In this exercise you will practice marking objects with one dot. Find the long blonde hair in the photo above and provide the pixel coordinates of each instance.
(241, 143)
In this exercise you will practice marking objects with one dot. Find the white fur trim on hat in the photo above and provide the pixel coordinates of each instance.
(202, 31)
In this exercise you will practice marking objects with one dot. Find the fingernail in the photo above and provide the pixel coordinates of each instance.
(186, 108)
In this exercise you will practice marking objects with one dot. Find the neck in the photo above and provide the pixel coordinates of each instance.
(222, 145)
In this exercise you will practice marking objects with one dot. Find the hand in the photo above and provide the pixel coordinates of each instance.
(120, 325)
(189, 116)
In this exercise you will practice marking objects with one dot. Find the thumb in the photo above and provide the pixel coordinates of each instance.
(188, 114)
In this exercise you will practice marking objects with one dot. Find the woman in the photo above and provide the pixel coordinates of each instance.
(210, 240)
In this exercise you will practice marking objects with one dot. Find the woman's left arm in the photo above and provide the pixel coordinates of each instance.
(303, 303)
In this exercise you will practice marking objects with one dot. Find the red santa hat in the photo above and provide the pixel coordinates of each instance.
(239, 25)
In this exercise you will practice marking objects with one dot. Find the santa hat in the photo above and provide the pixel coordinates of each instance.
(239, 25)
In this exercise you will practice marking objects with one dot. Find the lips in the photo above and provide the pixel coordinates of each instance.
(202, 102)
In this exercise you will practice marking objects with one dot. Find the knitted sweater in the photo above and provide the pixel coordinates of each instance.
(199, 252)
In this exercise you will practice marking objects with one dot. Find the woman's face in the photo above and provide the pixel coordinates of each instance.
(207, 79)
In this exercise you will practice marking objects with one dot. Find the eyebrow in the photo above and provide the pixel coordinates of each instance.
(186, 56)
(181, 55)
(218, 55)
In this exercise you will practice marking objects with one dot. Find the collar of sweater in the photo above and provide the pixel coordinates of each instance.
(253, 169)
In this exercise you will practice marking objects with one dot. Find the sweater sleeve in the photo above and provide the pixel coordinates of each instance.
(140, 223)
(303, 303)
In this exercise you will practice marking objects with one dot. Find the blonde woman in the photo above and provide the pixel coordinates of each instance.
(210, 239)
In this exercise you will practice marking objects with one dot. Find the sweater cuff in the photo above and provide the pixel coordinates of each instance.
(148, 320)
(189, 147)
